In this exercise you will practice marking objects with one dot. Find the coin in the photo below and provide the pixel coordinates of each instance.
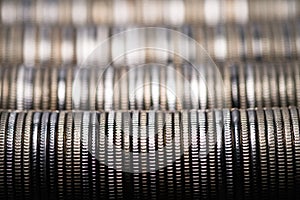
(73, 154)
(93, 147)
(119, 154)
(43, 154)
(144, 167)
(280, 153)
(13, 83)
(237, 153)
(254, 165)
(271, 143)
(59, 152)
(102, 154)
(228, 146)
(3, 122)
(194, 155)
(212, 139)
(52, 159)
(289, 150)
(110, 154)
(295, 125)
(203, 153)
(245, 141)
(262, 151)
(84, 154)
(18, 148)
(9, 153)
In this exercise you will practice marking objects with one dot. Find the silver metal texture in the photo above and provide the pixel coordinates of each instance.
(124, 154)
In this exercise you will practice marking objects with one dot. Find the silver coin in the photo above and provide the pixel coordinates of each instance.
(108, 88)
(18, 147)
(169, 152)
(60, 151)
(44, 44)
(52, 159)
(53, 88)
(9, 153)
(34, 168)
(280, 153)
(266, 86)
(13, 90)
(263, 151)
(28, 88)
(242, 87)
(219, 123)
(46, 90)
(295, 126)
(194, 155)
(147, 88)
(186, 156)
(296, 72)
(27, 140)
(123, 82)
(250, 85)
(236, 129)
(42, 154)
(234, 85)
(3, 123)
(177, 153)
(37, 89)
(135, 153)
(5, 88)
(144, 167)
(288, 138)
(257, 50)
(282, 85)
(245, 141)
(73, 154)
(271, 143)
(61, 89)
(203, 153)
(229, 84)
(254, 165)
(20, 88)
(93, 147)
(155, 87)
(290, 84)
(259, 88)
(84, 145)
(212, 139)
(110, 155)
(102, 154)
(273, 82)
(228, 146)
(119, 154)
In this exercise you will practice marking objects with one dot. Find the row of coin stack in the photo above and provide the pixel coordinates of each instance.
(142, 99)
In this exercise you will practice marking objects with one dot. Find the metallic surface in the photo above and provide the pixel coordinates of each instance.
(222, 153)
(245, 85)
(42, 45)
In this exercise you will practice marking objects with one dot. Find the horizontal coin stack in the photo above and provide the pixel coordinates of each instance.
(48, 45)
(138, 99)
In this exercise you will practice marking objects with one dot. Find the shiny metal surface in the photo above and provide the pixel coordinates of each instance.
(236, 153)
(38, 45)
(145, 12)
(245, 84)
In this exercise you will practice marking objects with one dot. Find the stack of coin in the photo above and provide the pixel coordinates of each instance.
(152, 87)
(144, 12)
(35, 45)
(192, 154)
(141, 99)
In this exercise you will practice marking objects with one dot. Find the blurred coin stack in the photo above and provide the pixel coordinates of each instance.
(144, 99)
